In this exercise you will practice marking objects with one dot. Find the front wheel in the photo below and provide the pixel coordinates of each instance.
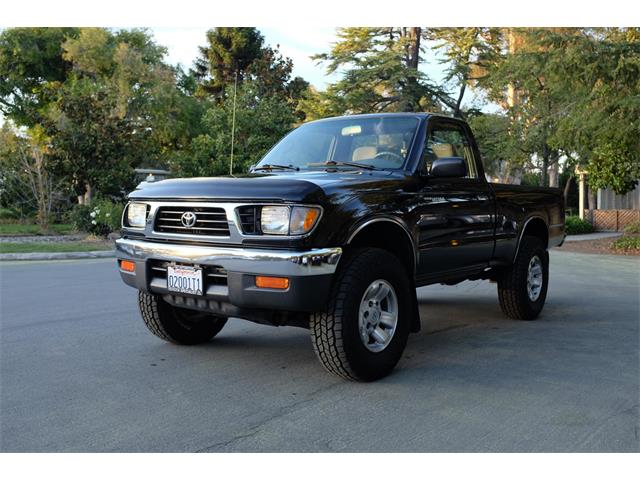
(177, 325)
(364, 331)
(522, 289)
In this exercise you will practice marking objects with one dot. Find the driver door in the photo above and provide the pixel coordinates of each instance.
(456, 215)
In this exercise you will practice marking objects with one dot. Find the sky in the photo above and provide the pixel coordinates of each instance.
(298, 43)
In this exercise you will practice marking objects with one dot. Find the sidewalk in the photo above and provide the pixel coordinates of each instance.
(592, 236)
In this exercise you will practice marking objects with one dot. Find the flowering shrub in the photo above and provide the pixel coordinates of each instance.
(100, 218)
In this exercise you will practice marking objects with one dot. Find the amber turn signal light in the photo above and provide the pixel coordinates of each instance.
(280, 283)
(127, 266)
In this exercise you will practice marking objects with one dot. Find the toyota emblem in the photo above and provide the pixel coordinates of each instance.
(188, 219)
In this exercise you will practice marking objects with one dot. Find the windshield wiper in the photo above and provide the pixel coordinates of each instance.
(333, 163)
(275, 166)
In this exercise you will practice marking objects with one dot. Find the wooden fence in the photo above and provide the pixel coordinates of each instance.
(612, 220)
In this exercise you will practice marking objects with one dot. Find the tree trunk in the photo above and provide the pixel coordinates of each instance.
(545, 167)
(554, 168)
(567, 186)
(87, 196)
(412, 100)
(591, 198)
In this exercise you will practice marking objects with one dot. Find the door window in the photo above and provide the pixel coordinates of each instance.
(448, 140)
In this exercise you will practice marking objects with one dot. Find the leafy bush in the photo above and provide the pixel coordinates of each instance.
(633, 227)
(8, 214)
(79, 217)
(100, 218)
(575, 226)
(627, 242)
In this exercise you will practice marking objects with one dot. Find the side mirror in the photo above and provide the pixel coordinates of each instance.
(449, 167)
(251, 167)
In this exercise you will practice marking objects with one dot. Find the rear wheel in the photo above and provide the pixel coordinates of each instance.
(177, 325)
(522, 289)
(364, 331)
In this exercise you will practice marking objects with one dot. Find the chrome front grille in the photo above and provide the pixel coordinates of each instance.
(211, 221)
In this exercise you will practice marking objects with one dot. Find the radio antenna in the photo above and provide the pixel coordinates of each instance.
(233, 121)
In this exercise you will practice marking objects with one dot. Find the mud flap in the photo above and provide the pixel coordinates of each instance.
(416, 325)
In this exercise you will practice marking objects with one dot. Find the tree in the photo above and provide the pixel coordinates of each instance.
(380, 72)
(467, 52)
(28, 183)
(229, 53)
(499, 147)
(518, 79)
(260, 122)
(30, 63)
(113, 112)
(268, 102)
(599, 73)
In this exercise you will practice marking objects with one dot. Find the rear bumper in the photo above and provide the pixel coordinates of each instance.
(309, 274)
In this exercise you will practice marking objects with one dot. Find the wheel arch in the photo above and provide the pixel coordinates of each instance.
(535, 226)
(389, 234)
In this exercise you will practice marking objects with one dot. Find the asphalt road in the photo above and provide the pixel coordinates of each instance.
(79, 372)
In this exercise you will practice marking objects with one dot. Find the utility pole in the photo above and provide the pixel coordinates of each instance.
(233, 121)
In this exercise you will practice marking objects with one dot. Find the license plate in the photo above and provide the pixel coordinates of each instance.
(184, 279)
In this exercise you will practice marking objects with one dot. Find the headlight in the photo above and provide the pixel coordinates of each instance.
(288, 220)
(275, 220)
(136, 215)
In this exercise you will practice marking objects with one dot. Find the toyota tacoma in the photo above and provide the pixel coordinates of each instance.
(333, 230)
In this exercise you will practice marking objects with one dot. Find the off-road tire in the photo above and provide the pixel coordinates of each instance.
(512, 283)
(334, 333)
(177, 325)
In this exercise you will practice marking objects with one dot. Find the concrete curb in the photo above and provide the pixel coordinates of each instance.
(5, 257)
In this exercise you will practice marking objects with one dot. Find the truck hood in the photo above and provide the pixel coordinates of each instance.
(305, 187)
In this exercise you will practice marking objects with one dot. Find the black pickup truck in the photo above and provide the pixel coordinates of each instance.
(333, 230)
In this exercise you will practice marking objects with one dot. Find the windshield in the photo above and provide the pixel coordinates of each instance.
(380, 142)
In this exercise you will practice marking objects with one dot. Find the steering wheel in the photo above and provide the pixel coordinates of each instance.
(400, 158)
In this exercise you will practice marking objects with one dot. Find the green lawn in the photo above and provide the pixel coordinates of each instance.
(48, 247)
(32, 229)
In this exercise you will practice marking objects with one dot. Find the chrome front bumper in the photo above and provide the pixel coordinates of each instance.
(309, 272)
(322, 261)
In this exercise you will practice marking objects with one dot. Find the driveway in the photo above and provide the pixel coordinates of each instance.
(79, 372)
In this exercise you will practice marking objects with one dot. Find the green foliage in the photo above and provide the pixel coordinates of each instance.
(613, 166)
(229, 51)
(596, 73)
(31, 63)
(80, 218)
(100, 218)
(8, 214)
(498, 145)
(627, 243)
(381, 72)
(260, 122)
(576, 226)
(83, 107)
(633, 227)
(268, 102)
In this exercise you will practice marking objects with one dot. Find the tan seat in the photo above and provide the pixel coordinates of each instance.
(442, 150)
(363, 153)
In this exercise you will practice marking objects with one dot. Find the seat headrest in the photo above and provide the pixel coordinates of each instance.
(363, 153)
(442, 150)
